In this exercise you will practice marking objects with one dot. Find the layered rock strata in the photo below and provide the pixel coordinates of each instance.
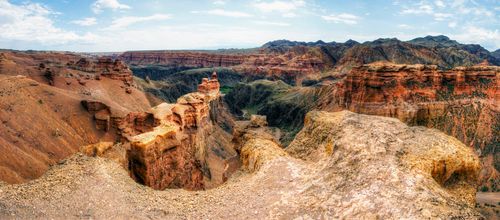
(106, 67)
(176, 152)
(291, 66)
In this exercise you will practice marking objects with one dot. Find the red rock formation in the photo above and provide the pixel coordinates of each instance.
(209, 85)
(175, 152)
(183, 58)
(106, 67)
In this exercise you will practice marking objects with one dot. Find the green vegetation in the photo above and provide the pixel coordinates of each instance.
(226, 89)
(285, 106)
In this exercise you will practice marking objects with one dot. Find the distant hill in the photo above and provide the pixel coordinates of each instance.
(438, 50)
(496, 54)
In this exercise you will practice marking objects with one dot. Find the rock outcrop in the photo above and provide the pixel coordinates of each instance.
(176, 152)
(385, 167)
(106, 67)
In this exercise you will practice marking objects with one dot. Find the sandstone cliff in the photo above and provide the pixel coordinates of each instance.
(462, 102)
(184, 147)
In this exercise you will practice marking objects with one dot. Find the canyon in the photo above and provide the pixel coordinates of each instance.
(380, 129)
(341, 165)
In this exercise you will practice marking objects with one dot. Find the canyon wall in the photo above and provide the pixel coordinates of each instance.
(462, 102)
(290, 66)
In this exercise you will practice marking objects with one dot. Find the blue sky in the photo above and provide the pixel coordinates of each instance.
(119, 25)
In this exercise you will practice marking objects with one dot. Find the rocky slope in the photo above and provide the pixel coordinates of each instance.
(338, 177)
(42, 118)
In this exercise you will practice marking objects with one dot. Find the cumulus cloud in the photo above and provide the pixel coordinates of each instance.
(99, 5)
(31, 22)
(342, 18)
(478, 35)
(286, 8)
(130, 20)
(85, 21)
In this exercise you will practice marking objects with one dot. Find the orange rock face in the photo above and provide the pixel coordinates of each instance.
(462, 102)
(209, 85)
(106, 67)
(175, 152)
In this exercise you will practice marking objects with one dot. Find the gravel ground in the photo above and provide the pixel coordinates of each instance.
(87, 187)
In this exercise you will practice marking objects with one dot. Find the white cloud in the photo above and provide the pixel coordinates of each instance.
(421, 9)
(463, 8)
(442, 16)
(99, 5)
(85, 21)
(342, 18)
(130, 20)
(234, 14)
(31, 22)
(269, 23)
(452, 24)
(439, 3)
(479, 35)
(425, 9)
(286, 8)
